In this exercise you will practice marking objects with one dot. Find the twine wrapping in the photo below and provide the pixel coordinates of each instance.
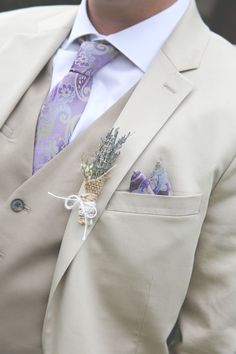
(93, 187)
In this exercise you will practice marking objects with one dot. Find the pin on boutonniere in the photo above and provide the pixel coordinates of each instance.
(96, 170)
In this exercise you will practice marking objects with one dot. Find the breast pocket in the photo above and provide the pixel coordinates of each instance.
(142, 232)
(143, 227)
(155, 204)
(148, 223)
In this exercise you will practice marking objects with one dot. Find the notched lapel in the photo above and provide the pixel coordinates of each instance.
(24, 55)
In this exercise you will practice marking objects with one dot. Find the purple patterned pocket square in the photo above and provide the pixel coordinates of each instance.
(158, 183)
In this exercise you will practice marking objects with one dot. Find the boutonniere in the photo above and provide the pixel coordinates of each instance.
(96, 170)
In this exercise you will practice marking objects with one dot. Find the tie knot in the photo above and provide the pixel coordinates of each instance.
(92, 56)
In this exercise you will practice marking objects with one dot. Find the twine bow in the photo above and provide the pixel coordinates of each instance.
(87, 209)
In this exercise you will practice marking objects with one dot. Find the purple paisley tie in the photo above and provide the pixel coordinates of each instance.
(66, 102)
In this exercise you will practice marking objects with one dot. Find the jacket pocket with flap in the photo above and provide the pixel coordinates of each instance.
(155, 204)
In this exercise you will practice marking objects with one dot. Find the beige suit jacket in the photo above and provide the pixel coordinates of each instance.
(149, 262)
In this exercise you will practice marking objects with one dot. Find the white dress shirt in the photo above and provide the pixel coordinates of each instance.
(138, 45)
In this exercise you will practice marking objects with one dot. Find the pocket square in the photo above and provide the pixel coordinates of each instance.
(158, 183)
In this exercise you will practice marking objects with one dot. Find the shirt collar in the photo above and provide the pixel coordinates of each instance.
(141, 48)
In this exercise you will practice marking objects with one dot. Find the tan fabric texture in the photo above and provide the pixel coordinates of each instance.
(149, 263)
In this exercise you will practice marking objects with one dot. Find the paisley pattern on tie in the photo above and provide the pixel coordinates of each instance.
(66, 102)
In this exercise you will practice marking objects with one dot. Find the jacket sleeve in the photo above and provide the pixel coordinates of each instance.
(207, 320)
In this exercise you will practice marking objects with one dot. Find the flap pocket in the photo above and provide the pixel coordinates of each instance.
(155, 204)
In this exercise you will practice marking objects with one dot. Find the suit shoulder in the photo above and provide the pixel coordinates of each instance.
(27, 18)
(222, 52)
(219, 64)
(216, 78)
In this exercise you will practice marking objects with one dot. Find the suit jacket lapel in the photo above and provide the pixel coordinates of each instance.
(34, 50)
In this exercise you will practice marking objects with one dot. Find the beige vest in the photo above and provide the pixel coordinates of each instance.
(30, 239)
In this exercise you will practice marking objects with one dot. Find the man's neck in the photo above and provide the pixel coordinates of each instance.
(110, 16)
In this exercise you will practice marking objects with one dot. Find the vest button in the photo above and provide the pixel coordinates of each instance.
(17, 205)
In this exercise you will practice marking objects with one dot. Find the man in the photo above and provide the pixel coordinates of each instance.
(156, 274)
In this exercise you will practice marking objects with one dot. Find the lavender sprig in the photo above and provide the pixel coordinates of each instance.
(106, 155)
